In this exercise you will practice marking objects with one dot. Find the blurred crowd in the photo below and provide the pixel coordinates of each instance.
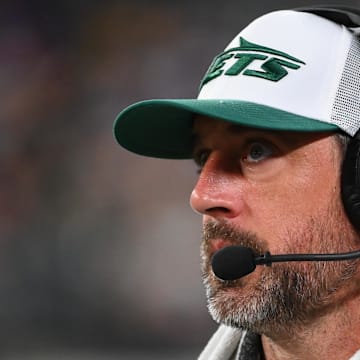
(99, 249)
(90, 236)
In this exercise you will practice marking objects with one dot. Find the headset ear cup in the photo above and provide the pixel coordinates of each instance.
(350, 182)
(344, 15)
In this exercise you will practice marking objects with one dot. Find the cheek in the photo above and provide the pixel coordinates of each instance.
(285, 205)
(316, 190)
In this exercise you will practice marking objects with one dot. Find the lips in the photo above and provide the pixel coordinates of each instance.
(218, 244)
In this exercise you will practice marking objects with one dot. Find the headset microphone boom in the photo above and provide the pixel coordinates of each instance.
(234, 262)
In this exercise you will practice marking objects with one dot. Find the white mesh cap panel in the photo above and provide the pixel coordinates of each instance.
(346, 108)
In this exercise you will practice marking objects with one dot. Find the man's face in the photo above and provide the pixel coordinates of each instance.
(278, 192)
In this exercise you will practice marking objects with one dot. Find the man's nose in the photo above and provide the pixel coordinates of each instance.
(218, 191)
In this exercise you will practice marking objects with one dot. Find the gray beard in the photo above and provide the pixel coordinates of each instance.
(287, 295)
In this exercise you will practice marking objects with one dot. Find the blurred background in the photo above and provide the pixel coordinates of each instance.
(99, 249)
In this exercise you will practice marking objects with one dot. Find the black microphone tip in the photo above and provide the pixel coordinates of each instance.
(233, 262)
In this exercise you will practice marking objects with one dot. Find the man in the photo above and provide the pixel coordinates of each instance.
(273, 132)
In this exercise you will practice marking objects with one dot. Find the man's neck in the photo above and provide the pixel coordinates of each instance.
(333, 336)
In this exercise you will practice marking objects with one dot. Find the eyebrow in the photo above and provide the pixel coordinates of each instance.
(235, 129)
(196, 139)
(277, 135)
(232, 129)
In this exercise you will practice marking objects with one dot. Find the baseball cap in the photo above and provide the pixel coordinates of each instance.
(287, 70)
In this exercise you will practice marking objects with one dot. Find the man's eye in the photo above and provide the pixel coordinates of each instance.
(201, 158)
(256, 152)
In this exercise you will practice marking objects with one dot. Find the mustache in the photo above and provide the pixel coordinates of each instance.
(214, 230)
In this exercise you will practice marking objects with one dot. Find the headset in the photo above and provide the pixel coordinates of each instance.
(344, 15)
(350, 174)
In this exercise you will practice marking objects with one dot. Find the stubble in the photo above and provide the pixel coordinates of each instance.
(286, 295)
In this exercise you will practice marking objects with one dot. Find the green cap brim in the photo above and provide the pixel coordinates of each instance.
(163, 128)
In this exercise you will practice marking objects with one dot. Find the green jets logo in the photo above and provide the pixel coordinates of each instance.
(274, 63)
